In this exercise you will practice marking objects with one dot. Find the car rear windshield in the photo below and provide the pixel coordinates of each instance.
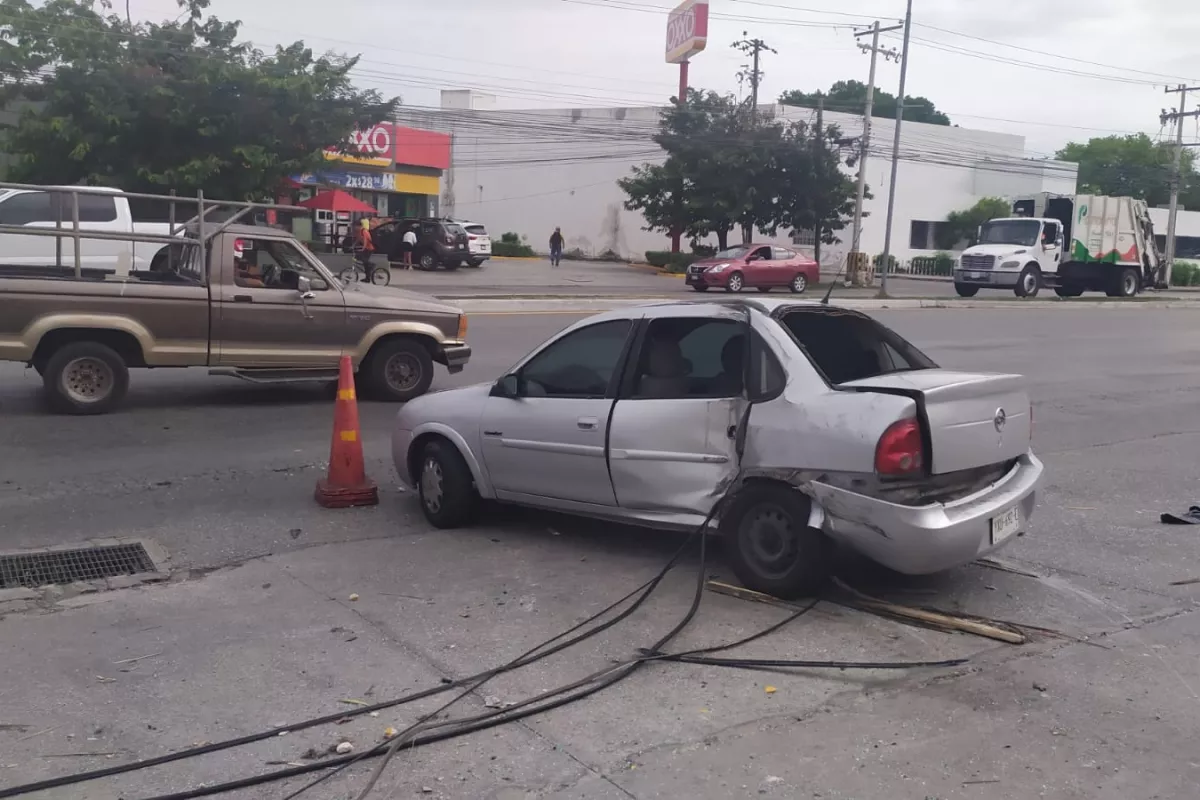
(848, 346)
(477, 230)
(453, 229)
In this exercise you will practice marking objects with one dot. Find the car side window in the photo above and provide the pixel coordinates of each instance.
(582, 364)
(763, 254)
(273, 264)
(783, 255)
(27, 207)
(92, 207)
(690, 357)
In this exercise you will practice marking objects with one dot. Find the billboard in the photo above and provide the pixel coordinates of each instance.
(418, 148)
(375, 146)
(687, 30)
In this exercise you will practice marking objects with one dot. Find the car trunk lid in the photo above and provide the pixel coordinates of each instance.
(972, 419)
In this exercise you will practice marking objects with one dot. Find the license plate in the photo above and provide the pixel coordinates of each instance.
(1006, 525)
(975, 275)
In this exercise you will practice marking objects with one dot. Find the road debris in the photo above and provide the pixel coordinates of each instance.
(343, 748)
(1188, 582)
(1004, 566)
(39, 733)
(770, 689)
(352, 702)
(933, 618)
(137, 658)
(1040, 687)
(354, 597)
(389, 732)
(103, 679)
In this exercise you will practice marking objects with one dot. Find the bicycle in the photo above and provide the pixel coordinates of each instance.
(380, 276)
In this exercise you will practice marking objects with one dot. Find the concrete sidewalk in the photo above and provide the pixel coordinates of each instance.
(112, 677)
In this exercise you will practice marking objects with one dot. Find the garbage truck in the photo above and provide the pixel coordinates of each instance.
(1069, 243)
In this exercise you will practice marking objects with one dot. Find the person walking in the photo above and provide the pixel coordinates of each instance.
(407, 245)
(556, 247)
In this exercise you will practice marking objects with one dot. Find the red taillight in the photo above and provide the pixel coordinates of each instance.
(473, 238)
(900, 451)
(449, 240)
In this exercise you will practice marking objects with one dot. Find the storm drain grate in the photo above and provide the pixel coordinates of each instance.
(30, 570)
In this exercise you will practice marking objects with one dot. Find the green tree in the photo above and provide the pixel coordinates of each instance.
(181, 104)
(851, 96)
(963, 226)
(1134, 166)
(727, 170)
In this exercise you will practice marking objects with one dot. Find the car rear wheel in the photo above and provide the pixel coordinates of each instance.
(736, 283)
(453, 264)
(475, 262)
(799, 283)
(966, 290)
(399, 370)
(85, 378)
(769, 544)
(427, 260)
(445, 486)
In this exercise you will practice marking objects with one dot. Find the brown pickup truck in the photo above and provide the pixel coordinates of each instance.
(260, 307)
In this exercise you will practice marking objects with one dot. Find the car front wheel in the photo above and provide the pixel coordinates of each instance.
(799, 283)
(769, 544)
(445, 486)
(736, 282)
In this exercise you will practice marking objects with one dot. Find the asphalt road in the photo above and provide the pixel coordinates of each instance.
(221, 473)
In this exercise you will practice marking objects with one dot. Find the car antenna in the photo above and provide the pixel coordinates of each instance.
(841, 272)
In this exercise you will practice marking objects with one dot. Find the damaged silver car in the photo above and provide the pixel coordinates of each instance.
(820, 424)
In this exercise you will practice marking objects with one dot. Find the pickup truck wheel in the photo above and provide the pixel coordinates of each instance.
(1029, 283)
(446, 487)
(85, 378)
(966, 289)
(400, 370)
(769, 544)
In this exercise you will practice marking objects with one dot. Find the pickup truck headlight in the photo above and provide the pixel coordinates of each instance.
(462, 327)
(1010, 265)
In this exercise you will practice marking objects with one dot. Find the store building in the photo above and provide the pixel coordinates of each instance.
(528, 171)
(395, 168)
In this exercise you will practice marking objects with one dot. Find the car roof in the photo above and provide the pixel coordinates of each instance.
(707, 307)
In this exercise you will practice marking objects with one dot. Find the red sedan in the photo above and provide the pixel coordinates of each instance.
(760, 266)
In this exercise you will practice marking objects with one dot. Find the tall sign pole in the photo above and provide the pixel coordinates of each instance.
(687, 34)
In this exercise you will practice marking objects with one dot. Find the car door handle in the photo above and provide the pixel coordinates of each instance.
(588, 423)
(493, 433)
(243, 298)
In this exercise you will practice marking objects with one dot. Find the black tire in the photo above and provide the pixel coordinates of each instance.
(966, 289)
(700, 288)
(799, 284)
(85, 378)
(740, 283)
(399, 370)
(1069, 290)
(763, 289)
(453, 264)
(1029, 282)
(427, 260)
(445, 486)
(475, 262)
(1126, 284)
(761, 515)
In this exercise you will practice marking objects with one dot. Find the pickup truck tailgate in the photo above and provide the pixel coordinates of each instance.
(974, 419)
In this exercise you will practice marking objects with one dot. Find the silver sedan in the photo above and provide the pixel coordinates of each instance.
(813, 424)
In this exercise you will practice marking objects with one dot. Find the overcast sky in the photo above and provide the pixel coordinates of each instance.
(569, 53)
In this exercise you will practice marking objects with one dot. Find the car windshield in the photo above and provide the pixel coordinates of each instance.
(733, 252)
(848, 346)
(1010, 231)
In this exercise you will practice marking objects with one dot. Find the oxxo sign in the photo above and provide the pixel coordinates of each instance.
(687, 30)
(373, 146)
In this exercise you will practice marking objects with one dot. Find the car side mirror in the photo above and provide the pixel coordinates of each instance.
(509, 386)
(316, 284)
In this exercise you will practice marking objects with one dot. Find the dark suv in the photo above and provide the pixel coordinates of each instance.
(438, 242)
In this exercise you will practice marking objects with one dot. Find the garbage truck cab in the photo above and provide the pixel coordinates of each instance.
(1071, 244)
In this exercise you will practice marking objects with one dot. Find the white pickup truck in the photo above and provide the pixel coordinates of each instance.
(98, 212)
(1070, 243)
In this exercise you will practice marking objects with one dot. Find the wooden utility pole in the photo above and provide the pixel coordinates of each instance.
(864, 142)
(1176, 116)
(885, 263)
(751, 72)
(819, 147)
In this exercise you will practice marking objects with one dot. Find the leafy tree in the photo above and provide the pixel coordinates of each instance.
(852, 96)
(1134, 166)
(181, 104)
(728, 169)
(964, 225)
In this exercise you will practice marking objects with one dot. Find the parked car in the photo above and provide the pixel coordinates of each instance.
(759, 266)
(853, 436)
(439, 242)
(479, 243)
(261, 308)
(99, 209)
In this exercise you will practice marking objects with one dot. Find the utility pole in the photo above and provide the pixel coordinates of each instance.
(891, 206)
(819, 147)
(865, 140)
(1177, 116)
(752, 48)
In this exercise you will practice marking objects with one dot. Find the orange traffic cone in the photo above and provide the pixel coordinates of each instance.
(347, 484)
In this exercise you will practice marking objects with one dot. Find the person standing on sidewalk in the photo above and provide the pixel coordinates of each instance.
(556, 247)
(408, 244)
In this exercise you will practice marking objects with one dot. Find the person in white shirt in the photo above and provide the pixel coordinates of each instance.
(407, 245)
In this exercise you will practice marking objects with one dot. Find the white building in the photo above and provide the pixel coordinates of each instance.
(528, 171)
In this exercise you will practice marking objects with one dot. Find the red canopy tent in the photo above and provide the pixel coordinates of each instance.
(337, 200)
